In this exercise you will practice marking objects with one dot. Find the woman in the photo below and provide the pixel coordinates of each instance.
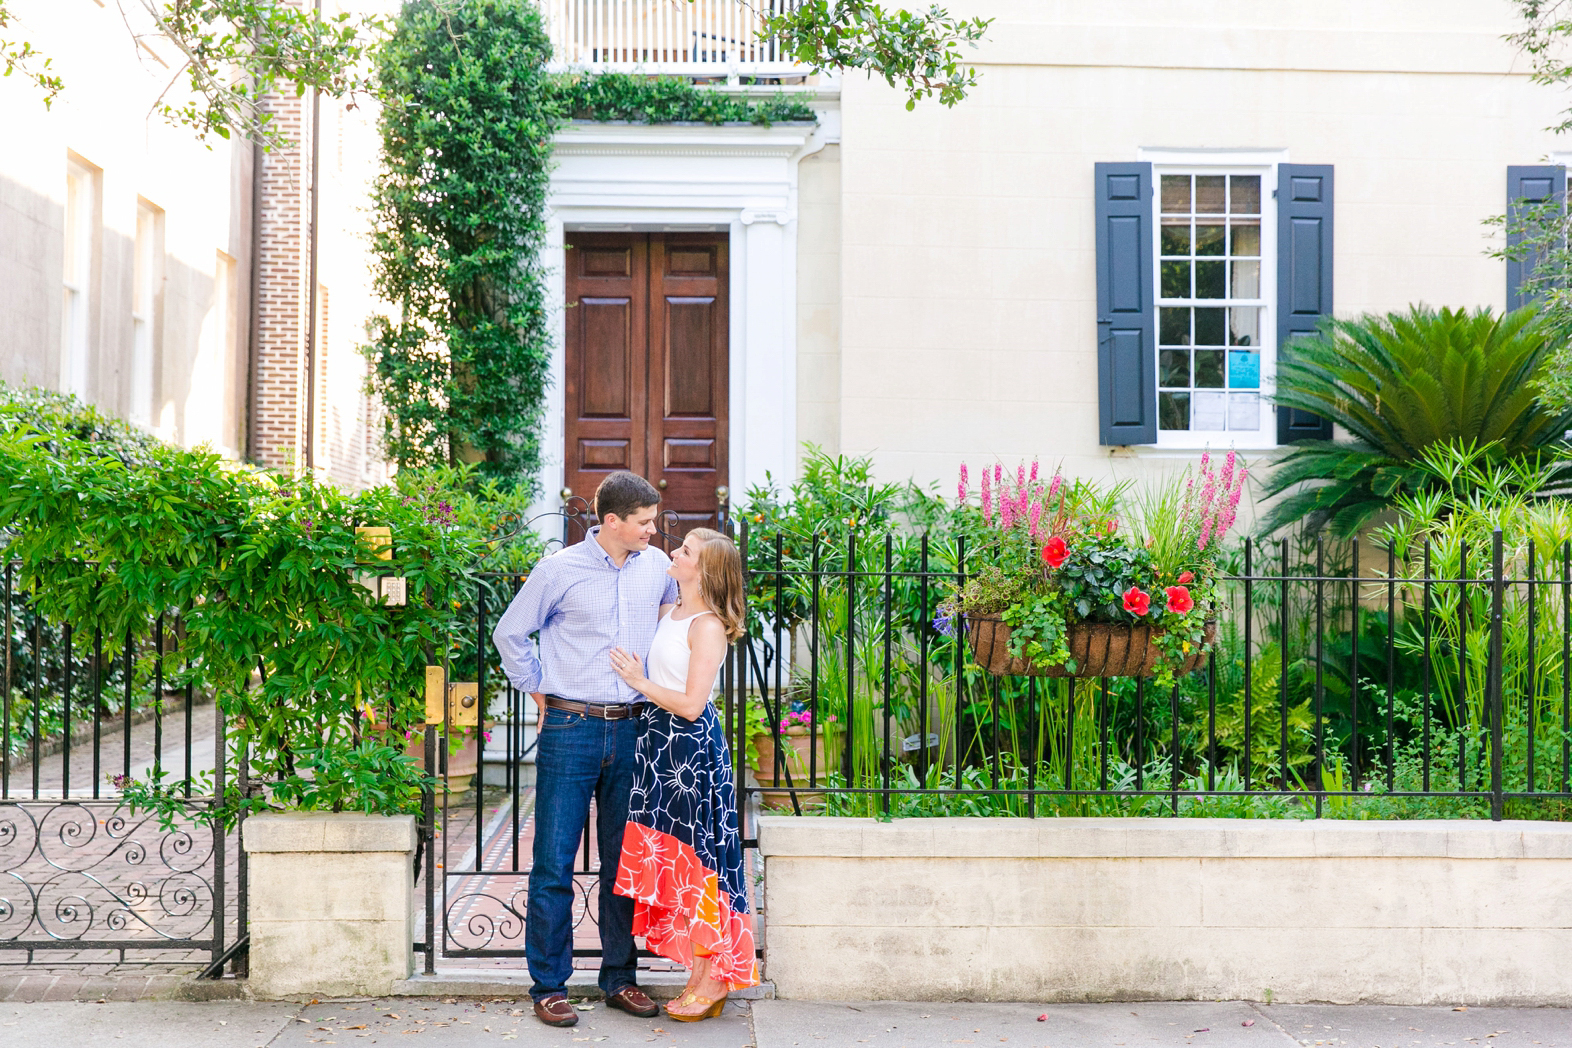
(681, 851)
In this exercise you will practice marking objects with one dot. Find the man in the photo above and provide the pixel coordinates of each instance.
(606, 592)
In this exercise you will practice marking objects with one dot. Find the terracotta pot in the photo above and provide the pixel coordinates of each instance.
(462, 764)
(795, 761)
(1099, 649)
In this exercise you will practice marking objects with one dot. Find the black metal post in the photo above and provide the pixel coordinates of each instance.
(1497, 603)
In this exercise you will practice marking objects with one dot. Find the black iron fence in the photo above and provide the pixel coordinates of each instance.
(82, 879)
(1346, 681)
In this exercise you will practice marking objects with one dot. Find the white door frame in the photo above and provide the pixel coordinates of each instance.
(669, 178)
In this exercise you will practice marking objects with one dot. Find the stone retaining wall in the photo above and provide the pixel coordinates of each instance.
(1429, 912)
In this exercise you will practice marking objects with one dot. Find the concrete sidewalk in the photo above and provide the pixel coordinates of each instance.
(452, 1023)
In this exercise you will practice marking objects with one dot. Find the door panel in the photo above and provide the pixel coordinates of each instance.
(647, 365)
(606, 358)
(689, 355)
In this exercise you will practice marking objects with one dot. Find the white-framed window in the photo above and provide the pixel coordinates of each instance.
(81, 242)
(1215, 299)
(147, 281)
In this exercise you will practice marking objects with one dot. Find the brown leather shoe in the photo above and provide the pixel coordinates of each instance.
(632, 1000)
(554, 1010)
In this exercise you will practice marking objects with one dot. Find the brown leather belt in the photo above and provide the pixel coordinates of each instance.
(601, 710)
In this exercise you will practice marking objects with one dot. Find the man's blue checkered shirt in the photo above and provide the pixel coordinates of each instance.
(583, 605)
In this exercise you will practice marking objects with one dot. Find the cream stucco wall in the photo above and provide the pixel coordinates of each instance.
(819, 298)
(968, 254)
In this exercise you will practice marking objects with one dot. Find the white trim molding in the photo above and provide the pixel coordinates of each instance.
(672, 178)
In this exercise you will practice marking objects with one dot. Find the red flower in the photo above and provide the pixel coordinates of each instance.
(1055, 552)
(1137, 601)
(1179, 600)
(1186, 577)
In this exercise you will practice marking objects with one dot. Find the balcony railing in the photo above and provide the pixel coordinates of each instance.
(696, 38)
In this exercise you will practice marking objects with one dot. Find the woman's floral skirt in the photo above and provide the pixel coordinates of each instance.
(682, 852)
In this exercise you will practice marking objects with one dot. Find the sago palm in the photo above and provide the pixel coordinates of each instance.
(1398, 384)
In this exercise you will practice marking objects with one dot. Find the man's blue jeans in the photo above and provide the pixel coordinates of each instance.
(577, 758)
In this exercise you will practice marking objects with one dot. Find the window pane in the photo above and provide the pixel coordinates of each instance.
(1244, 369)
(1173, 326)
(1173, 410)
(1244, 196)
(1209, 411)
(1247, 239)
(1176, 193)
(1209, 368)
(1176, 239)
(1176, 279)
(1244, 411)
(1173, 367)
(1209, 327)
(1244, 326)
(1247, 279)
(1209, 279)
(1209, 194)
(1208, 240)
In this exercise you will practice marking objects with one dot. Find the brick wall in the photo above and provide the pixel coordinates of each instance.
(279, 384)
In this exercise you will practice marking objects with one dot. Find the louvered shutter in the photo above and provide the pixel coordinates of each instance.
(1126, 313)
(1304, 274)
(1534, 184)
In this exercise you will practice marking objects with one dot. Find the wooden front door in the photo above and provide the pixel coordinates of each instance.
(646, 348)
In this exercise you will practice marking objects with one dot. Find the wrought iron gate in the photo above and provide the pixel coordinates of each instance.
(82, 880)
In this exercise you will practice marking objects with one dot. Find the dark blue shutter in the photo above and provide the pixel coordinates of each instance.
(1304, 274)
(1126, 313)
(1534, 184)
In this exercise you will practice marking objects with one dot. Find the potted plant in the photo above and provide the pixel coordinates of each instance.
(802, 750)
(1078, 581)
(463, 757)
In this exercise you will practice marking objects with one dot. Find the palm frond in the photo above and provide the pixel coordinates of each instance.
(1400, 384)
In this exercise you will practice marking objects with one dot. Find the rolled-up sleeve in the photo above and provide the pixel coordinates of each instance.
(525, 615)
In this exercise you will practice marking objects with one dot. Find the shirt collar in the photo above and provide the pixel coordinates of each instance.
(593, 536)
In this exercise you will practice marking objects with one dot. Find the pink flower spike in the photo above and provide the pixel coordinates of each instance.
(962, 487)
(987, 499)
(1037, 515)
(1020, 475)
(1053, 487)
(998, 474)
(1006, 512)
(1034, 470)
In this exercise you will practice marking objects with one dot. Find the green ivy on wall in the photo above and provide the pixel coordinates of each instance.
(460, 360)
(668, 100)
(466, 124)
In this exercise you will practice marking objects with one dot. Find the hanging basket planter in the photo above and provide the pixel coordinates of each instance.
(1098, 649)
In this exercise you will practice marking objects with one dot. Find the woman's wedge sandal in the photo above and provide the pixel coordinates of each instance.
(712, 1008)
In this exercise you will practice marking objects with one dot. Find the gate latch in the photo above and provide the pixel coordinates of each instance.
(462, 706)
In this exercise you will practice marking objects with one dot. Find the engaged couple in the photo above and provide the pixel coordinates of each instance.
(628, 658)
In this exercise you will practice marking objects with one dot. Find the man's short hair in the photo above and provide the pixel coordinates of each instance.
(624, 494)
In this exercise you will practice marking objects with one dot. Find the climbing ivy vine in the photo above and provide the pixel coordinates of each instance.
(460, 361)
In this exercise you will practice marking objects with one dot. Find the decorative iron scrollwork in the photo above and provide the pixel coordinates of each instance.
(78, 872)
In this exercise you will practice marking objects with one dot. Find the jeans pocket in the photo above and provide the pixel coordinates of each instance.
(559, 719)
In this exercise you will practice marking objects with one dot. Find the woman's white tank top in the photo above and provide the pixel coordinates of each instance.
(669, 652)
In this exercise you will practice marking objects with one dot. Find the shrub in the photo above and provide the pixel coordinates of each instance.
(1399, 384)
(318, 681)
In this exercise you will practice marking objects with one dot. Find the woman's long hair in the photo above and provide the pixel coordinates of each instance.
(720, 579)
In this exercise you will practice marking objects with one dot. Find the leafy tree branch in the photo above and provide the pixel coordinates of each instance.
(919, 51)
(22, 57)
